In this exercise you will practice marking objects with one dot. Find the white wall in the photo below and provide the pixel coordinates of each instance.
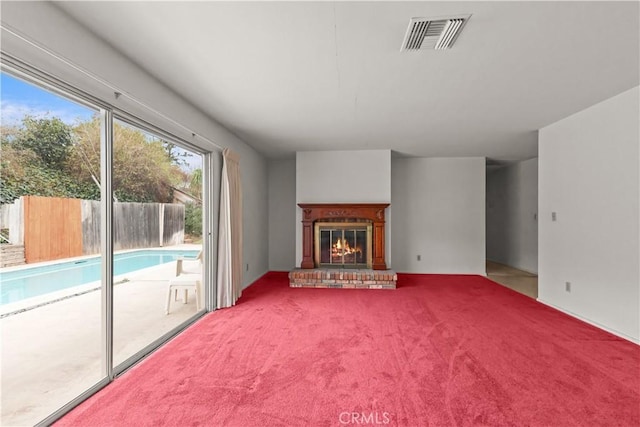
(588, 175)
(33, 30)
(255, 209)
(282, 215)
(512, 203)
(341, 177)
(438, 209)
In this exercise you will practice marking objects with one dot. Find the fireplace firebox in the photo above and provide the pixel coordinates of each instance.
(342, 244)
(343, 236)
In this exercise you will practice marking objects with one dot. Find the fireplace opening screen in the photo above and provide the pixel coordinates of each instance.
(343, 245)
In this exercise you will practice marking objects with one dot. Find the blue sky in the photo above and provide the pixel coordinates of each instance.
(19, 98)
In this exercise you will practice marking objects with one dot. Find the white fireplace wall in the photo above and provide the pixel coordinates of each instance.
(343, 176)
(362, 176)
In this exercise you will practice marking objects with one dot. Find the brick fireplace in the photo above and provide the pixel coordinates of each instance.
(343, 246)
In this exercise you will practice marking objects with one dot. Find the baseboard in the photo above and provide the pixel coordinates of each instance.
(591, 322)
(482, 273)
(527, 271)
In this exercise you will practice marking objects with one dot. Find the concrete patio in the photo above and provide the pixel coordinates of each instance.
(52, 353)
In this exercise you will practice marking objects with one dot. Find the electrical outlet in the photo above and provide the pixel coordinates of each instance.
(567, 286)
(554, 217)
(419, 257)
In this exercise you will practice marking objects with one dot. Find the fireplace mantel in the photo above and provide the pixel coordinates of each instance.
(374, 212)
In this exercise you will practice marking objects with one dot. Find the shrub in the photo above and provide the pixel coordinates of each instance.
(193, 219)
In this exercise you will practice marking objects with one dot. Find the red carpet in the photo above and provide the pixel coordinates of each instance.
(437, 351)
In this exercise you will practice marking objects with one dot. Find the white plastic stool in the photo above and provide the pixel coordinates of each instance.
(184, 282)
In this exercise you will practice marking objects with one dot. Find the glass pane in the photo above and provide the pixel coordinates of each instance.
(50, 310)
(325, 246)
(336, 247)
(157, 238)
(349, 245)
(361, 247)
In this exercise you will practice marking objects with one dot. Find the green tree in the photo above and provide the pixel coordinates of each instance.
(46, 157)
(142, 169)
(23, 171)
(177, 155)
(195, 183)
(49, 138)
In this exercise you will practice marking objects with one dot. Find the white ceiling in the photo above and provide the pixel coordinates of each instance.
(296, 76)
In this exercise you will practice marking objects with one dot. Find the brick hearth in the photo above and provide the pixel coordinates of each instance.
(343, 278)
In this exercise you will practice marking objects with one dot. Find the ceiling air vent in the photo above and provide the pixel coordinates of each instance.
(433, 33)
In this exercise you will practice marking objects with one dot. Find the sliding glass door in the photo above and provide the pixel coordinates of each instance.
(104, 226)
(51, 319)
(157, 230)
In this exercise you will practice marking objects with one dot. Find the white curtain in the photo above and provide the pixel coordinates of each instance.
(229, 282)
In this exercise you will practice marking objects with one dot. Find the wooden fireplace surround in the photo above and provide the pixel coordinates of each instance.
(374, 212)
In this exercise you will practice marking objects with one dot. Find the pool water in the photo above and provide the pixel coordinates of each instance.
(35, 281)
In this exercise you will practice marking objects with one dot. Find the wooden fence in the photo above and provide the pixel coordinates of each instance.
(173, 224)
(52, 228)
(90, 227)
(135, 225)
(57, 228)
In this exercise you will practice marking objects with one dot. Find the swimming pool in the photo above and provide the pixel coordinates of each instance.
(30, 282)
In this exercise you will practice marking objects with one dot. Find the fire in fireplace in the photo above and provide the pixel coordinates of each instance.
(340, 244)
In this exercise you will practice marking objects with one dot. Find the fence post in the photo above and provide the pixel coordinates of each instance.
(161, 223)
